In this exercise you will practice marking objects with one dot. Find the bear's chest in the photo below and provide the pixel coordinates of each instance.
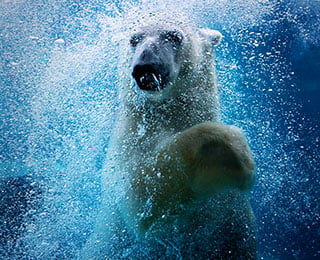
(141, 143)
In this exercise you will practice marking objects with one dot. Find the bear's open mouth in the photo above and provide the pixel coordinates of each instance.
(148, 78)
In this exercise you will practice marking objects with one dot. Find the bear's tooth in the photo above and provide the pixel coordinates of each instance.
(141, 78)
(154, 76)
(155, 79)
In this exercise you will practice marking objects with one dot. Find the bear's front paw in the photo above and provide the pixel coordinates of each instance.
(218, 158)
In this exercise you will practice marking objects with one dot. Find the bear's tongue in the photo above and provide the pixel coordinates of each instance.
(149, 81)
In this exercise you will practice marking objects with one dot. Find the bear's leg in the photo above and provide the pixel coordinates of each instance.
(239, 236)
(216, 156)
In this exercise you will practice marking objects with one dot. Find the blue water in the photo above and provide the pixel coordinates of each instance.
(58, 89)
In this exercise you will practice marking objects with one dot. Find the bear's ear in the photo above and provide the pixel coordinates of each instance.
(213, 36)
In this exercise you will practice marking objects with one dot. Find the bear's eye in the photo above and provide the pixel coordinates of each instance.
(136, 39)
(174, 37)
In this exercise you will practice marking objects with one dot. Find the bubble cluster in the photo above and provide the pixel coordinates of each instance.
(59, 73)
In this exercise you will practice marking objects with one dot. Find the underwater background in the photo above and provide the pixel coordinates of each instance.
(58, 102)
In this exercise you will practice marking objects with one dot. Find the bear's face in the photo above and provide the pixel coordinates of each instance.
(168, 59)
(157, 56)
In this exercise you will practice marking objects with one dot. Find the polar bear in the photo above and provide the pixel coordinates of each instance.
(176, 178)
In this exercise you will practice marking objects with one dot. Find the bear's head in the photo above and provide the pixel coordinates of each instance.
(167, 59)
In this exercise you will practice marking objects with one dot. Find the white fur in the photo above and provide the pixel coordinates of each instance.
(175, 177)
